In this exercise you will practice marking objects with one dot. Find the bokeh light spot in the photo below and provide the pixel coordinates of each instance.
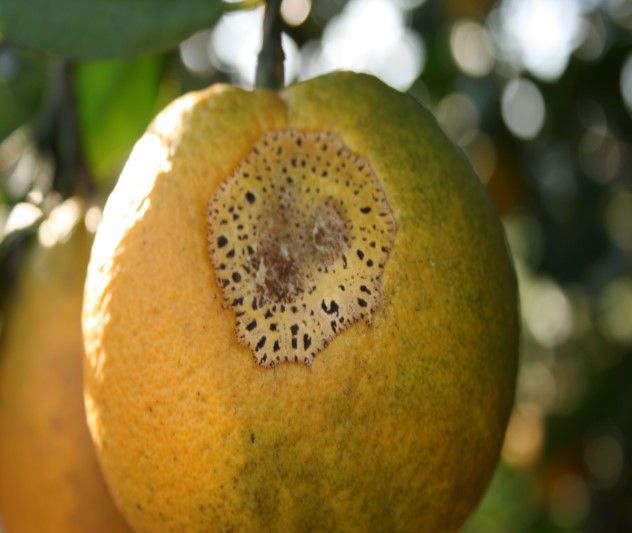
(569, 501)
(626, 82)
(295, 12)
(540, 35)
(471, 48)
(523, 108)
(60, 222)
(481, 152)
(526, 239)
(615, 311)
(537, 385)
(457, 113)
(620, 11)
(22, 216)
(524, 437)
(618, 220)
(8, 65)
(194, 53)
(368, 36)
(604, 459)
(547, 312)
(235, 44)
(599, 153)
(93, 218)
(593, 43)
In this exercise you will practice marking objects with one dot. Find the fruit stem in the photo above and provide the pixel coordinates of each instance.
(271, 57)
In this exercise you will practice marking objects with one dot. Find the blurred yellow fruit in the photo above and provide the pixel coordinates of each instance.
(300, 315)
(49, 476)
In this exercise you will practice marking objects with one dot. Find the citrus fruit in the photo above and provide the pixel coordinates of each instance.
(49, 476)
(300, 314)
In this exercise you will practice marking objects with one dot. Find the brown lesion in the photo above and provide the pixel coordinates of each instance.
(330, 232)
(299, 236)
(277, 273)
(290, 241)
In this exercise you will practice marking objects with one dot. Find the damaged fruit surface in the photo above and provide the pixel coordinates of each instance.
(300, 314)
(299, 236)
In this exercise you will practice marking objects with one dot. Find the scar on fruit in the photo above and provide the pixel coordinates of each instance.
(299, 236)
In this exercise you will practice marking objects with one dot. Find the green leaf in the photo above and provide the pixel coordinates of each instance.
(22, 84)
(104, 28)
(116, 101)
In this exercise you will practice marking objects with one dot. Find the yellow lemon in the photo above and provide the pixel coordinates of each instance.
(49, 476)
(300, 314)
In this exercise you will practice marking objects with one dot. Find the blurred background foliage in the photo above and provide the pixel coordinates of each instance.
(538, 93)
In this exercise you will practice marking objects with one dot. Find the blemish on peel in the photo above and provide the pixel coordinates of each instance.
(299, 235)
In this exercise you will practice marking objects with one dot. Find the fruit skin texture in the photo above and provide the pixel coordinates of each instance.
(396, 426)
(49, 475)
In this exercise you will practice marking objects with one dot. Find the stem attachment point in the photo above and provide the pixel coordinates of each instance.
(270, 74)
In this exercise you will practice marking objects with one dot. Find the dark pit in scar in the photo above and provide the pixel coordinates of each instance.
(299, 236)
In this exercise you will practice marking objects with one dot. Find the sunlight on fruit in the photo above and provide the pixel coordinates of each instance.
(93, 420)
(317, 290)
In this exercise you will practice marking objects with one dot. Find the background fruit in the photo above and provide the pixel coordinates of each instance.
(396, 425)
(49, 476)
